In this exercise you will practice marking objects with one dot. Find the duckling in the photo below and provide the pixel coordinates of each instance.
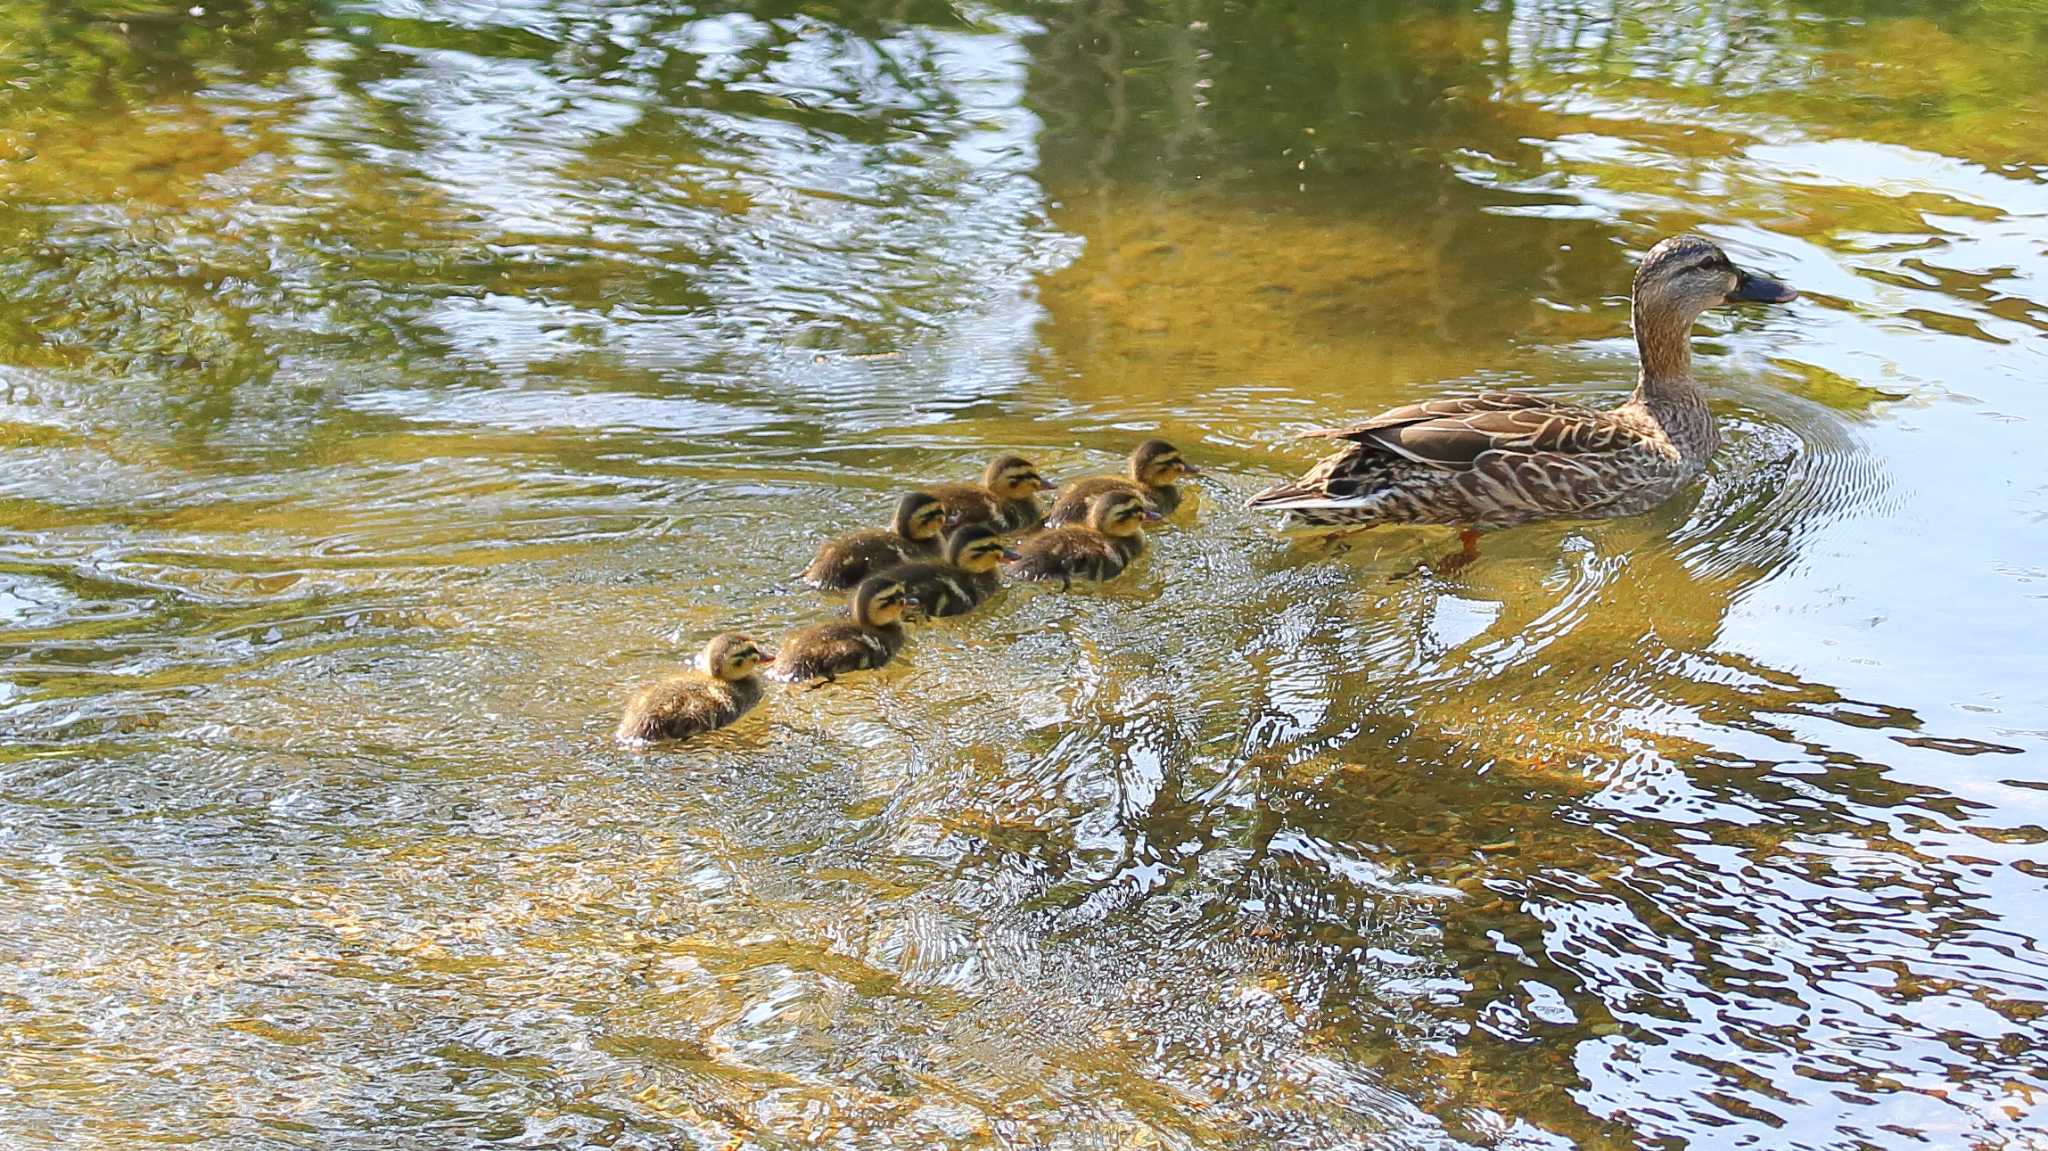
(965, 578)
(1154, 468)
(1113, 538)
(827, 651)
(722, 689)
(913, 535)
(1007, 496)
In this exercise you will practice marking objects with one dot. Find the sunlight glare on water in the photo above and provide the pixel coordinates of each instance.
(388, 385)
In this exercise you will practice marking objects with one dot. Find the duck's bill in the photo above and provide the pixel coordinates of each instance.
(1190, 470)
(1153, 517)
(1760, 290)
(1048, 486)
(1012, 555)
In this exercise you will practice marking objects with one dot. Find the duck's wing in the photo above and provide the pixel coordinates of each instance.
(1457, 442)
(1443, 408)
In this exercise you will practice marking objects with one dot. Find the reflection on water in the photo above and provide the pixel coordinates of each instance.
(386, 385)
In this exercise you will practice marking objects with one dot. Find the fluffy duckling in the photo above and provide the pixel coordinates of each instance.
(1154, 468)
(1006, 498)
(1113, 538)
(965, 578)
(722, 689)
(827, 651)
(913, 535)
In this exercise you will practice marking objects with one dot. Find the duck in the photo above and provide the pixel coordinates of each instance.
(1498, 459)
(1101, 551)
(1006, 497)
(824, 652)
(913, 535)
(963, 579)
(1155, 466)
(721, 690)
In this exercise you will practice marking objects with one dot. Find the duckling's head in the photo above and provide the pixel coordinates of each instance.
(1158, 464)
(976, 548)
(880, 601)
(1014, 478)
(730, 656)
(1119, 514)
(1685, 275)
(919, 517)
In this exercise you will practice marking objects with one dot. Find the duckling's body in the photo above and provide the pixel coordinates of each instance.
(1155, 468)
(1499, 459)
(1006, 498)
(721, 690)
(914, 535)
(872, 638)
(964, 579)
(1100, 551)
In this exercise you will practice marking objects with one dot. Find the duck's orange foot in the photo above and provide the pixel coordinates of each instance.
(1468, 550)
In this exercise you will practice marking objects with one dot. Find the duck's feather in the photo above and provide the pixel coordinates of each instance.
(1071, 507)
(1071, 553)
(974, 504)
(841, 563)
(943, 590)
(686, 705)
(830, 650)
(1490, 460)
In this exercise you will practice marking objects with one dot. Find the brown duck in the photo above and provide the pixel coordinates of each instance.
(1101, 551)
(1502, 458)
(1155, 467)
(723, 688)
(913, 535)
(965, 578)
(1006, 498)
(872, 638)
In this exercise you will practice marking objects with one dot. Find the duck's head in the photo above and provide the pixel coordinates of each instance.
(976, 548)
(730, 656)
(919, 517)
(1119, 514)
(1686, 275)
(1158, 464)
(880, 601)
(1014, 478)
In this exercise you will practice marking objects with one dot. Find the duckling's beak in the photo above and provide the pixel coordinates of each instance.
(765, 656)
(1012, 555)
(1760, 290)
(1046, 485)
(1188, 469)
(1153, 517)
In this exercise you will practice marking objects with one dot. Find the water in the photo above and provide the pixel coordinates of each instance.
(388, 387)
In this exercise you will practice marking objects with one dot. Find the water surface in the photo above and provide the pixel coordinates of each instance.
(386, 387)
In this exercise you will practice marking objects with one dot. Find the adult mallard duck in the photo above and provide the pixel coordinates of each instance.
(1498, 459)
(1155, 467)
(723, 689)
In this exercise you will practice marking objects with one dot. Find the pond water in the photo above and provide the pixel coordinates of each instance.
(386, 386)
